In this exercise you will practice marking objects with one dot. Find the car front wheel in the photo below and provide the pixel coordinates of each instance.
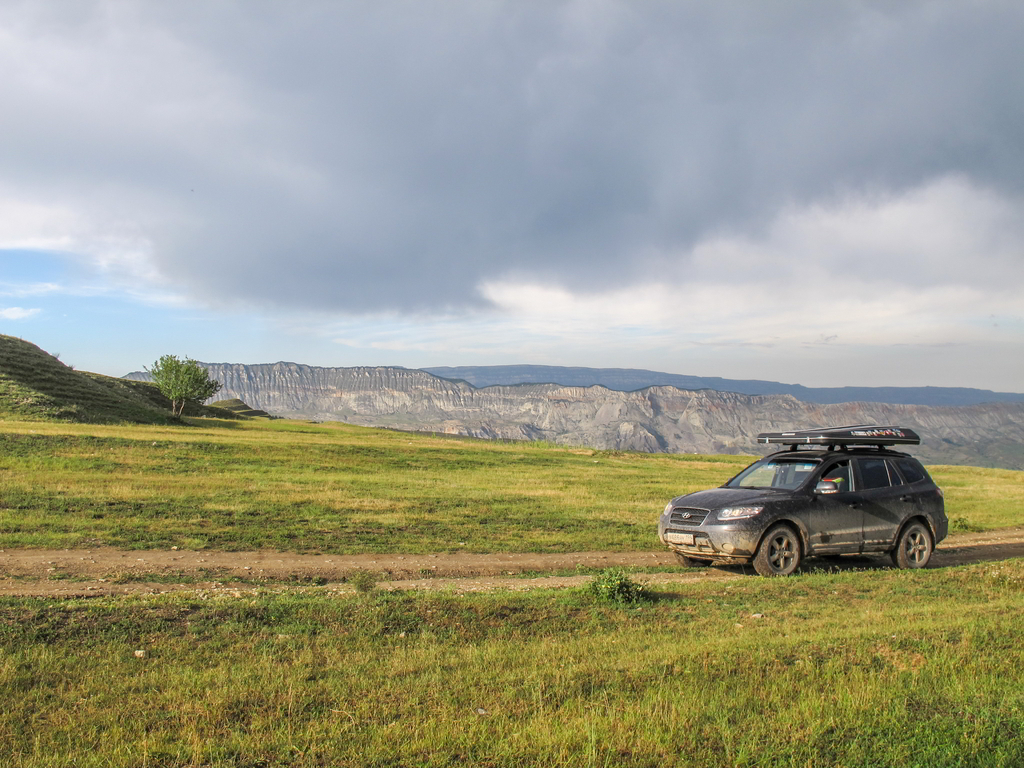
(913, 548)
(779, 553)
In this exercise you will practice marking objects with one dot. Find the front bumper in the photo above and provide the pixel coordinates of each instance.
(733, 542)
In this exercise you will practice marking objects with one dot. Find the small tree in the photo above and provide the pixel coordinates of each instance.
(182, 381)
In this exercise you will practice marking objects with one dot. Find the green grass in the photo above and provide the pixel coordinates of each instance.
(296, 486)
(983, 499)
(878, 668)
(331, 488)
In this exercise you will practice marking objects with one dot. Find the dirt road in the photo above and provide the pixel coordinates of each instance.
(94, 572)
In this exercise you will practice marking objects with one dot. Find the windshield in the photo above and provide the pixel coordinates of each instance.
(768, 473)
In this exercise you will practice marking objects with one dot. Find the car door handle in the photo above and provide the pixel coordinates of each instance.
(854, 505)
(907, 499)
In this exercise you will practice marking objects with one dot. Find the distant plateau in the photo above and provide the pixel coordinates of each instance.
(601, 408)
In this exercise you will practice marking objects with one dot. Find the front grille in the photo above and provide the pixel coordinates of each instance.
(687, 516)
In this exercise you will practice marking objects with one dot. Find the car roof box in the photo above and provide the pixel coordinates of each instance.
(861, 434)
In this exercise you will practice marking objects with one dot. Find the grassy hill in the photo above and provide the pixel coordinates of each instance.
(239, 408)
(35, 385)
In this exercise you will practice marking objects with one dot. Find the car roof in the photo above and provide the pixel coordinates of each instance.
(817, 455)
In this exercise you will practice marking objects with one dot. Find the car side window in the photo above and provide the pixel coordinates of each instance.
(910, 470)
(873, 474)
(894, 475)
(839, 473)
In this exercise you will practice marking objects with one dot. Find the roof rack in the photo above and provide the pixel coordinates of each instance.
(861, 434)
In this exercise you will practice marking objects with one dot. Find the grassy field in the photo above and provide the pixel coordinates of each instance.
(870, 668)
(874, 668)
(327, 487)
(297, 486)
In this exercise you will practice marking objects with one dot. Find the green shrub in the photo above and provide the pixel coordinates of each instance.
(613, 585)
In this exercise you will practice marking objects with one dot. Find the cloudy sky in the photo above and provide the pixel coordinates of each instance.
(817, 193)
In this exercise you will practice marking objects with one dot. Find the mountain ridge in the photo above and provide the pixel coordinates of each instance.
(632, 379)
(654, 419)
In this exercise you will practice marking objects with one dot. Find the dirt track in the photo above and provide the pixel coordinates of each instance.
(68, 573)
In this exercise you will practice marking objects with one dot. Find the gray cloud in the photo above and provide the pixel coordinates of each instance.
(379, 155)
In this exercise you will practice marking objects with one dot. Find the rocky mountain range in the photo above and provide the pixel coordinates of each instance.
(653, 419)
(629, 379)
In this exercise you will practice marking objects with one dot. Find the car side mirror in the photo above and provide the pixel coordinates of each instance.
(825, 487)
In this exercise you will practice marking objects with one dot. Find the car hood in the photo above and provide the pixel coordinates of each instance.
(716, 498)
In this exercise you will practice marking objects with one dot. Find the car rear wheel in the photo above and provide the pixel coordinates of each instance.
(913, 548)
(689, 562)
(779, 552)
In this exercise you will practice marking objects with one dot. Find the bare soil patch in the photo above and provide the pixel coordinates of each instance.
(105, 571)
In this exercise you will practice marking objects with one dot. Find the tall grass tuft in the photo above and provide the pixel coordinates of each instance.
(362, 581)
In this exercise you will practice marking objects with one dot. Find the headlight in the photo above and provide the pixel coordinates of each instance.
(668, 508)
(734, 513)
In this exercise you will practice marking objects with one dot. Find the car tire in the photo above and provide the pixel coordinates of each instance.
(779, 552)
(689, 562)
(913, 547)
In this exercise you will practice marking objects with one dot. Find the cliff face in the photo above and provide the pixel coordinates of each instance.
(630, 379)
(656, 419)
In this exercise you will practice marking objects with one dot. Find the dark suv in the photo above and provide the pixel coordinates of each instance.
(835, 491)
